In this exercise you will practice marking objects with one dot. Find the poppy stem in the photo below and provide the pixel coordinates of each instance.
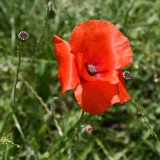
(48, 10)
(78, 129)
(18, 68)
(145, 120)
(79, 125)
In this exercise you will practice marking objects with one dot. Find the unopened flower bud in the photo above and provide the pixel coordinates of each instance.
(127, 75)
(89, 128)
(51, 10)
(86, 131)
(23, 35)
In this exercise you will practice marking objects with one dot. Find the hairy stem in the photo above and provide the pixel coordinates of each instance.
(38, 41)
(77, 136)
(145, 120)
(18, 69)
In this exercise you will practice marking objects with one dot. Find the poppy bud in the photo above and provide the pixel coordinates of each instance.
(86, 131)
(23, 35)
(89, 128)
(51, 10)
(127, 75)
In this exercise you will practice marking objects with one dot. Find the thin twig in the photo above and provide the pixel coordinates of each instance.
(37, 96)
(71, 157)
(38, 41)
(104, 149)
(58, 127)
(145, 120)
(52, 103)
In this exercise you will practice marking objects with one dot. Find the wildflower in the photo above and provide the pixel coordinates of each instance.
(91, 63)
(23, 35)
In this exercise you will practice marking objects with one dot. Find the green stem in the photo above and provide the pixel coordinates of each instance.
(39, 41)
(18, 68)
(126, 16)
(13, 98)
(79, 125)
(77, 136)
(145, 120)
(36, 95)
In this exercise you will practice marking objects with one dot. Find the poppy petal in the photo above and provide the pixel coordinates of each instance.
(67, 73)
(96, 39)
(110, 76)
(97, 96)
(123, 95)
(122, 50)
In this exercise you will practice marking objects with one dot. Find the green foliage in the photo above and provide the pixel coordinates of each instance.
(119, 133)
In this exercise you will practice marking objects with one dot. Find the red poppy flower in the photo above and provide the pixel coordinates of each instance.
(91, 63)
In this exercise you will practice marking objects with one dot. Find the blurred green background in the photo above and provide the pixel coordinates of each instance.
(119, 133)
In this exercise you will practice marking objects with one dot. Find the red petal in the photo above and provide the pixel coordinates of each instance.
(102, 43)
(121, 45)
(110, 76)
(123, 95)
(67, 73)
(97, 96)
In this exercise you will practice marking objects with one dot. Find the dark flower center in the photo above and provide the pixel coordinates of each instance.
(91, 69)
